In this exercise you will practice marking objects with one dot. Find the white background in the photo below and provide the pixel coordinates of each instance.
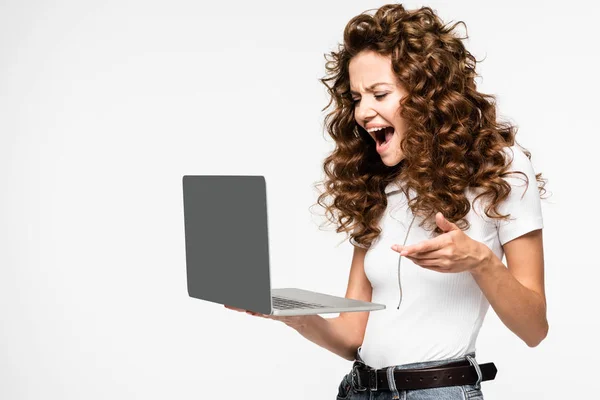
(104, 106)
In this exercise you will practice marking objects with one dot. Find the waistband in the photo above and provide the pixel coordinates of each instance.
(421, 364)
(421, 375)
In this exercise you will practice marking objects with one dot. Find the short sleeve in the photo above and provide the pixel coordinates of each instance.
(523, 203)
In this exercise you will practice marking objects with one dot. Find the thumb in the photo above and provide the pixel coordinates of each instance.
(443, 223)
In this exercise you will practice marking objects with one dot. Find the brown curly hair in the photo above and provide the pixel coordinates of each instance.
(452, 139)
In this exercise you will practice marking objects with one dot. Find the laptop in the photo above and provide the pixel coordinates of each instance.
(227, 250)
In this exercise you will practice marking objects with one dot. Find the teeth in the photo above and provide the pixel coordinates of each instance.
(379, 134)
(371, 130)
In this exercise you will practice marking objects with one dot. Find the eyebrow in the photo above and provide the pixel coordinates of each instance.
(370, 88)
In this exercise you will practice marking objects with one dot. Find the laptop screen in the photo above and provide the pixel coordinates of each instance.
(226, 240)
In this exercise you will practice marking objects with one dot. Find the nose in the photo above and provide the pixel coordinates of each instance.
(364, 112)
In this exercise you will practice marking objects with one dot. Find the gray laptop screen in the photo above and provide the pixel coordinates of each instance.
(226, 241)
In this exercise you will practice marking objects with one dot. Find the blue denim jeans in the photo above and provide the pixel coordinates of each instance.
(347, 389)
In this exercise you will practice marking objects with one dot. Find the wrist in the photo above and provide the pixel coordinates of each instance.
(485, 261)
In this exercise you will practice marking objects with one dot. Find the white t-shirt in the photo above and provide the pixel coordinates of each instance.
(440, 314)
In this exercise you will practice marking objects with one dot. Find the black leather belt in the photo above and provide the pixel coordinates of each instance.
(452, 374)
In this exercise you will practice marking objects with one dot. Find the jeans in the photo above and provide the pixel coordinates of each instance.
(347, 388)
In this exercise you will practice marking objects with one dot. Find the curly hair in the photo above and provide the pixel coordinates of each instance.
(452, 140)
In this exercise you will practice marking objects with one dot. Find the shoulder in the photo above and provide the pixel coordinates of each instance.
(518, 164)
(523, 203)
(516, 158)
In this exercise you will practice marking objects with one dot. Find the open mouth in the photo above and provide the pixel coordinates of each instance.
(382, 136)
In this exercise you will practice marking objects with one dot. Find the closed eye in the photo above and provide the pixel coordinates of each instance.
(378, 97)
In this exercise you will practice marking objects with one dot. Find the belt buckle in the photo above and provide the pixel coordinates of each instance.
(373, 380)
(359, 387)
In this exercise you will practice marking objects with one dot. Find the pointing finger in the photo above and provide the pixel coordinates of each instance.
(423, 247)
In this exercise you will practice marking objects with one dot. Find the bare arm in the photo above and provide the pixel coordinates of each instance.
(341, 335)
(517, 294)
(344, 334)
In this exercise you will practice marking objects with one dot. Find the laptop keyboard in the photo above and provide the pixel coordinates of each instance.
(281, 303)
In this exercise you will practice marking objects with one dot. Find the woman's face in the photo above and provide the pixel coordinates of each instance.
(376, 94)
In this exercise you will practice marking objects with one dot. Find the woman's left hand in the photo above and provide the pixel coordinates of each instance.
(452, 251)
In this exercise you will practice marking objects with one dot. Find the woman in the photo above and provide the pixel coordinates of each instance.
(433, 192)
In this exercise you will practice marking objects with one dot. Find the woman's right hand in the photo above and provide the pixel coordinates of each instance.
(247, 312)
(297, 322)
